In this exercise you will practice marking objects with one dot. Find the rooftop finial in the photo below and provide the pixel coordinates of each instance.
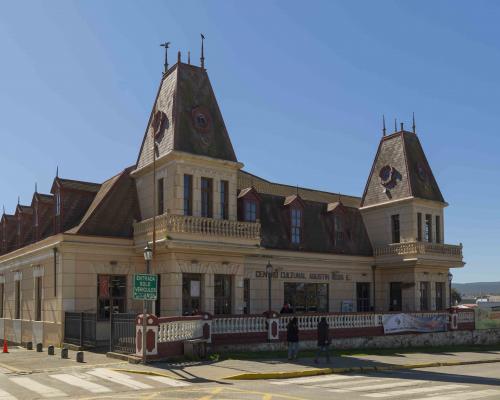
(57, 171)
(402, 126)
(179, 56)
(202, 58)
(36, 188)
(3, 208)
(383, 125)
(189, 57)
(297, 193)
(165, 65)
(395, 125)
(18, 200)
(414, 127)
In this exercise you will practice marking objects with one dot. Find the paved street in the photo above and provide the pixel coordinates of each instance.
(106, 378)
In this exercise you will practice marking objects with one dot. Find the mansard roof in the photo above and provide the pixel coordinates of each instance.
(43, 198)
(72, 184)
(104, 217)
(24, 209)
(186, 117)
(400, 170)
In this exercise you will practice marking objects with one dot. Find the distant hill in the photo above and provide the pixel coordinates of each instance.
(477, 288)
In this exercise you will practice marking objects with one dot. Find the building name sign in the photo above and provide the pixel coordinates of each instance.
(334, 276)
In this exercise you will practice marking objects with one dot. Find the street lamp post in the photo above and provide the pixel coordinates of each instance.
(450, 278)
(269, 270)
(148, 255)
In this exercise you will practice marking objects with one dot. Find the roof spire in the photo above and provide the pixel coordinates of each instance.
(3, 208)
(165, 65)
(413, 125)
(179, 56)
(383, 125)
(18, 200)
(57, 171)
(202, 58)
(36, 188)
(297, 193)
(189, 57)
(395, 125)
(402, 127)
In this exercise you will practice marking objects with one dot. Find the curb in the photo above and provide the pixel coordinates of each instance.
(327, 371)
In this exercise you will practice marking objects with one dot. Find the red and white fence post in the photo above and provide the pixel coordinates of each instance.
(151, 335)
(273, 326)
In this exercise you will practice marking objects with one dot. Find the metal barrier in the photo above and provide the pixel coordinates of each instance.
(122, 333)
(80, 329)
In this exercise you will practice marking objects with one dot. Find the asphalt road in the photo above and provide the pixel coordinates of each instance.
(480, 381)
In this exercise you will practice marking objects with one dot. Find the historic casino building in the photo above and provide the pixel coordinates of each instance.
(218, 226)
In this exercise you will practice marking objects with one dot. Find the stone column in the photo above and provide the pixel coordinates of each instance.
(172, 293)
(207, 302)
(237, 299)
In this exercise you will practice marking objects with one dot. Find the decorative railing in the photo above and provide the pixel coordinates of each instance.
(237, 324)
(417, 248)
(336, 321)
(181, 329)
(169, 223)
(466, 316)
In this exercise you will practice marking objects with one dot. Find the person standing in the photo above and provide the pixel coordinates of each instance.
(323, 339)
(292, 337)
(286, 309)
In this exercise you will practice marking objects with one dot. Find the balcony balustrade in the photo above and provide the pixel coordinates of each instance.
(419, 248)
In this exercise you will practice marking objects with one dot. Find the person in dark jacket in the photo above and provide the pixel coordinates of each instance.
(292, 337)
(286, 309)
(323, 339)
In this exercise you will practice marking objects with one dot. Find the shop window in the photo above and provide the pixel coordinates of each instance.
(2, 293)
(419, 227)
(438, 229)
(250, 210)
(17, 298)
(222, 294)
(439, 295)
(363, 296)
(396, 296)
(428, 228)
(188, 195)
(395, 228)
(424, 296)
(191, 294)
(206, 197)
(224, 199)
(307, 297)
(112, 295)
(161, 196)
(158, 296)
(296, 225)
(246, 296)
(38, 298)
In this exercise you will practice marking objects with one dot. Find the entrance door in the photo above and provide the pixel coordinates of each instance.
(191, 294)
(363, 296)
(396, 298)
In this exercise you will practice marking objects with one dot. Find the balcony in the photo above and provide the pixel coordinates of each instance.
(180, 227)
(443, 253)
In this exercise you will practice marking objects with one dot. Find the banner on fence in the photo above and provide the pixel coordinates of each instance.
(487, 318)
(395, 323)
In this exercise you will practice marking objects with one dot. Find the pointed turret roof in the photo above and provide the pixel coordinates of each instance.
(186, 117)
(400, 170)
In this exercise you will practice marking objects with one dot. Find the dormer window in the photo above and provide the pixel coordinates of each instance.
(250, 210)
(339, 229)
(58, 203)
(35, 215)
(296, 225)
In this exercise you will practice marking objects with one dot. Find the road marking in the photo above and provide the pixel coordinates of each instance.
(212, 394)
(167, 381)
(81, 383)
(312, 379)
(350, 383)
(416, 391)
(6, 396)
(465, 396)
(378, 387)
(34, 386)
(119, 378)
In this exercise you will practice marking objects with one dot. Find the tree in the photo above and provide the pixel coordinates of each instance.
(456, 297)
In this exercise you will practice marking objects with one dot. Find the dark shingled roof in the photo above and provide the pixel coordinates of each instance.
(77, 185)
(185, 89)
(403, 152)
(318, 229)
(113, 209)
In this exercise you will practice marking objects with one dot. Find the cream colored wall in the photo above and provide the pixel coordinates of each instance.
(377, 220)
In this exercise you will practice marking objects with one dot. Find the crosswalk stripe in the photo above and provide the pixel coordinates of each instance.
(313, 379)
(465, 396)
(34, 386)
(381, 386)
(349, 383)
(6, 396)
(415, 391)
(119, 378)
(81, 383)
(168, 381)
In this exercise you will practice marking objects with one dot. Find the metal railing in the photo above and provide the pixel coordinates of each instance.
(80, 328)
(122, 333)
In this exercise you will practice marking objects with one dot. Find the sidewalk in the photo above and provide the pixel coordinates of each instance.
(275, 369)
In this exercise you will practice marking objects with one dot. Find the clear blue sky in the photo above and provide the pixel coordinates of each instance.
(302, 87)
